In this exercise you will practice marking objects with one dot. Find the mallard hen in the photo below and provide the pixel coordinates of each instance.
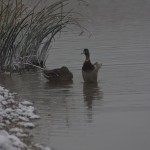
(59, 74)
(89, 70)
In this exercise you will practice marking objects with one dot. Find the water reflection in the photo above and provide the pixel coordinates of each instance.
(92, 96)
(91, 92)
(62, 84)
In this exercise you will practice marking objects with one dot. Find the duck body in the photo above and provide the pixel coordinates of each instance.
(59, 74)
(89, 70)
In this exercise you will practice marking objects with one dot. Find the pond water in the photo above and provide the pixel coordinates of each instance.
(112, 114)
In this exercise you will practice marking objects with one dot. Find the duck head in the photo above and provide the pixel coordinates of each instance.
(86, 53)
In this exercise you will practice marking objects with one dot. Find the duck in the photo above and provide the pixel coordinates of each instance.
(89, 70)
(58, 74)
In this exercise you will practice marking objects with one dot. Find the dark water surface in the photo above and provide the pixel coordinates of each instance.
(112, 114)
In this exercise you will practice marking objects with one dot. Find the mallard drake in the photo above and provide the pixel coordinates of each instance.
(89, 70)
(59, 74)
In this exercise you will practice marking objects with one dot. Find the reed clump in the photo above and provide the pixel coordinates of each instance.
(26, 34)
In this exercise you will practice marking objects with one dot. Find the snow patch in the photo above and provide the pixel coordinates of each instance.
(10, 142)
(18, 114)
(1, 98)
(16, 130)
(27, 103)
(26, 124)
(40, 147)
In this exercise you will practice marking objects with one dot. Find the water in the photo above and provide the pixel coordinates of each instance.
(112, 114)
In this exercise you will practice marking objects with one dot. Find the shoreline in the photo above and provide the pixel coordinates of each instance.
(16, 121)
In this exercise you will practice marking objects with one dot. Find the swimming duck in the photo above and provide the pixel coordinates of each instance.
(89, 70)
(59, 74)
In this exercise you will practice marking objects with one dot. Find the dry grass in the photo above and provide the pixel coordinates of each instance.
(26, 35)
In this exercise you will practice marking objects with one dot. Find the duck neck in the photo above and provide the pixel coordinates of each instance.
(87, 57)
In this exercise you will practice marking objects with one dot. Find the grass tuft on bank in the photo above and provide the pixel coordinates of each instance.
(27, 34)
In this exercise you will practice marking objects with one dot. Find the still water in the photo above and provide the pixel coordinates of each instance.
(112, 114)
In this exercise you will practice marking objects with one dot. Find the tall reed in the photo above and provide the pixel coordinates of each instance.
(26, 35)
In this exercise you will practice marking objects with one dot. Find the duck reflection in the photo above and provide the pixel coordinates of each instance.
(91, 92)
(61, 84)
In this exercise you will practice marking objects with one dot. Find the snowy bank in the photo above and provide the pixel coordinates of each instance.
(15, 117)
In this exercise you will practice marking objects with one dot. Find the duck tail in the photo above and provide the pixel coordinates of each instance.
(97, 65)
